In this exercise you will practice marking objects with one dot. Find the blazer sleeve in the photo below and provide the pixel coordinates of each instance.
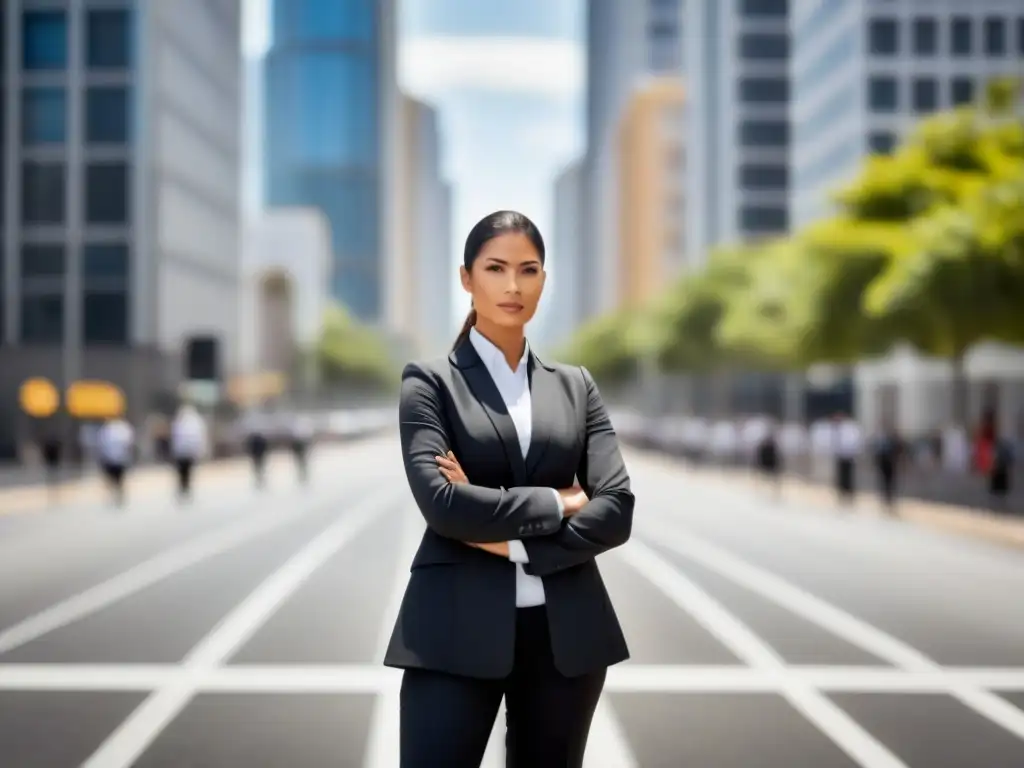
(464, 512)
(606, 520)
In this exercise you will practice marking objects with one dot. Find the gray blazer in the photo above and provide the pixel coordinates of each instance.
(458, 614)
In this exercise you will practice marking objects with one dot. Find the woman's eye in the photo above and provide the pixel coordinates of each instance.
(530, 270)
(494, 268)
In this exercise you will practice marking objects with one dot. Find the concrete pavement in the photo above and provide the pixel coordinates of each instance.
(246, 630)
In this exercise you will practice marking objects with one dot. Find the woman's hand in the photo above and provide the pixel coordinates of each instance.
(451, 469)
(573, 500)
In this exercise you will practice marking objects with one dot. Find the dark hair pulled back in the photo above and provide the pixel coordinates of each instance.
(489, 227)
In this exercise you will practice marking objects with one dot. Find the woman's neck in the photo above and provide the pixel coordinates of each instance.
(510, 341)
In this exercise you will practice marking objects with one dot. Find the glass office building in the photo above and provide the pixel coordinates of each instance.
(325, 122)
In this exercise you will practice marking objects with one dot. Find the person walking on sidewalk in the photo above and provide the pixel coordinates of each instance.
(847, 445)
(257, 444)
(115, 444)
(303, 432)
(188, 444)
(888, 456)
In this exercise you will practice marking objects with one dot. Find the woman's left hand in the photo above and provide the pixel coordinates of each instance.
(451, 469)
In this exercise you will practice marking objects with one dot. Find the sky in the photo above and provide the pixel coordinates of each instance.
(507, 79)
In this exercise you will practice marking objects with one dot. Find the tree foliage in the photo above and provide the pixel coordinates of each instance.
(926, 246)
(352, 353)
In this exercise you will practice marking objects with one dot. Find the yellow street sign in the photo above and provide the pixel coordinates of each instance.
(39, 398)
(94, 400)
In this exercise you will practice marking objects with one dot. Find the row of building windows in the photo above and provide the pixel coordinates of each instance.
(44, 115)
(756, 220)
(925, 37)
(884, 93)
(104, 318)
(105, 191)
(764, 9)
(45, 40)
(764, 90)
(103, 264)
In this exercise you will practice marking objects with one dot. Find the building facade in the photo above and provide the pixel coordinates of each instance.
(863, 74)
(566, 274)
(120, 166)
(652, 206)
(425, 277)
(329, 112)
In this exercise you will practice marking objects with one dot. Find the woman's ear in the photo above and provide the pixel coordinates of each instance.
(467, 284)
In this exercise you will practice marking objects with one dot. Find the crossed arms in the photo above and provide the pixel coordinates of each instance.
(557, 529)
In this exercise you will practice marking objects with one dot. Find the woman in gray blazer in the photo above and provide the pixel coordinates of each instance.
(505, 598)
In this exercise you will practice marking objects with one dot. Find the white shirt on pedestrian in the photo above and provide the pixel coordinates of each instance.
(514, 388)
(188, 436)
(114, 442)
(849, 439)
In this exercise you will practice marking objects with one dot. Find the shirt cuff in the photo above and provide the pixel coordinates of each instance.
(561, 504)
(517, 552)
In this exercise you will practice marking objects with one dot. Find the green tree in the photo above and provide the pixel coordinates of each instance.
(607, 346)
(351, 353)
(956, 278)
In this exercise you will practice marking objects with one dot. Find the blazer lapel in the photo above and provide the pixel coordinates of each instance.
(484, 390)
(547, 404)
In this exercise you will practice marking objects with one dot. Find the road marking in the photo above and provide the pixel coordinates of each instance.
(835, 620)
(139, 577)
(832, 721)
(383, 740)
(624, 678)
(130, 740)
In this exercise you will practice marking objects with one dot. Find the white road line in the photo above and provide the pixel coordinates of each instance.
(124, 746)
(139, 577)
(843, 730)
(833, 619)
(382, 744)
(625, 678)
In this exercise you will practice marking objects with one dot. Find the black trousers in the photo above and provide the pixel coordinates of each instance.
(446, 720)
(845, 479)
(115, 479)
(184, 469)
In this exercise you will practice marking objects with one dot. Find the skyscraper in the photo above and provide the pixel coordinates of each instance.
(119, 180)
(330, 108)
(737, 60)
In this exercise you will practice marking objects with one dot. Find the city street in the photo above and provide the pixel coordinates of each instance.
(245, 629)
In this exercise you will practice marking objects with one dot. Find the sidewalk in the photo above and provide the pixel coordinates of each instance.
(1006, 529)
(147, 480)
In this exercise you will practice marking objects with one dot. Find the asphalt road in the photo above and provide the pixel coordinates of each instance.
(245, 630)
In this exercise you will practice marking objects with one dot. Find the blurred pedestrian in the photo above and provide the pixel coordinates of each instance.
(888, 455)
(51, 448)
(302, 433)
(769, 458)
(115, 443)
(188, 445)
(847, 446)
(257, 445)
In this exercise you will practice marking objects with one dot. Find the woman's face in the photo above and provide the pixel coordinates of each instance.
(506, 281)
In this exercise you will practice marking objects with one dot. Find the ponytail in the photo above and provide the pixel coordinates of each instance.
(467, 326)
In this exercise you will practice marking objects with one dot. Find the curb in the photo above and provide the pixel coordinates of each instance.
(965, 521)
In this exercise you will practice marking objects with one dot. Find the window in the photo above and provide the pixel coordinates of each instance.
(881, 142)
(960, 36)
(765, 8)
(43, 116)
(764, 90)
(995, 37)
(44, 40)
(925, 94)
(764, 133)
(105, 261)
(106, 193)
(764, 176)
(42, 260)
(883, 94)
(297, 20)
(42, 193)
(1020, 35)
(107, 112)
(961, 90)
(108, 40)
(764, 47)
(756, 219)
(42, 318)
(305, 115)
(883, 37)
(926, 37)
(662, 30)
(105, 317)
